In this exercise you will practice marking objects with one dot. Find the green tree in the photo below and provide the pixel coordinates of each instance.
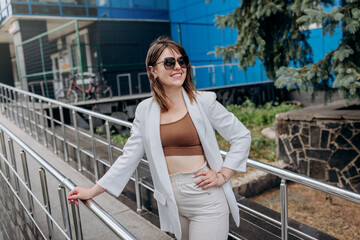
(273, 32)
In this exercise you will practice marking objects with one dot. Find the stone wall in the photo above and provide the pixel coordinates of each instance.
(322, 142)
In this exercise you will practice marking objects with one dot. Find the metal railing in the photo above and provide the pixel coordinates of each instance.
(15, 181)
(16, 105)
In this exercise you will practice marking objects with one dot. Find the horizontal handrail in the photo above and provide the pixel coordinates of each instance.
(106, 218)
(69, 106)
(304, 180)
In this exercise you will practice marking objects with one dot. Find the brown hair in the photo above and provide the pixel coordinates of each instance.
(156, 49)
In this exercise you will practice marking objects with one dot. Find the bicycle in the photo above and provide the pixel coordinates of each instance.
(95, 90)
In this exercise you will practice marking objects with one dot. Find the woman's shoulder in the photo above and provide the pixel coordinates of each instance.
(205, 96)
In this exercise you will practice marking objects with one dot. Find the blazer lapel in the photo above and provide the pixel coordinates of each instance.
(154, 142)
(202, 125)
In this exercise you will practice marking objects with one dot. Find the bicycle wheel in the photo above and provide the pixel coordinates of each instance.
(66, 96)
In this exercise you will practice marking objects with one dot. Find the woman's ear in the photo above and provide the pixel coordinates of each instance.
(153, 72)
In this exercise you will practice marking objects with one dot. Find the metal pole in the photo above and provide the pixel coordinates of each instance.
(107, 127)
(13, 163)
(78, 155)
(76, 220)
(96, 170)
(44, 120)
(45, 192)
(18, 107)
(3, 149)
(27, 180)
(28, 115)
(80, 58)
(284, 213)
(35, 119)
(64, 210)
(43, 67)
(52, 127)
(22, 111)
(137, 191)
(66, 155)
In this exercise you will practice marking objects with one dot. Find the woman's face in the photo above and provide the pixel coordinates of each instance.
(172, 78)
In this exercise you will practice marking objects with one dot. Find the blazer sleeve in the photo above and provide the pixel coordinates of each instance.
(233, 131)
(120, 172)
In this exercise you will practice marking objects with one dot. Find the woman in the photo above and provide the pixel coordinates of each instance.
(175, 128)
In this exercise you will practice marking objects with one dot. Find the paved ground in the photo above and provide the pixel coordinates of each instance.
(92, 228)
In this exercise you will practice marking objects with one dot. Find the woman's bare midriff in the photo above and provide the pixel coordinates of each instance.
(176, 164)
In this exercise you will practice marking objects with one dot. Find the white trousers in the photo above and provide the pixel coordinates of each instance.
(204, 214)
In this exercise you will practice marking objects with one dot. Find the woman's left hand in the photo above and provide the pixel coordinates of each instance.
(209, 179)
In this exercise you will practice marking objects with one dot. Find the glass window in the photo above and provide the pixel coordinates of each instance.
(18, 1)
(20, 8)
(100, 3)
(74, 11)
(122, 3)
(93, 12)
(147, 4)
(44, 9)
(45, 1)
(162, 4)
(73, 2)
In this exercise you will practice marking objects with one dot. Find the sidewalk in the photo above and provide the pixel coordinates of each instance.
(92, 228)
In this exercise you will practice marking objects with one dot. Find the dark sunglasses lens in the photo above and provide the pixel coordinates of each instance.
(183, 61)
(169, 63)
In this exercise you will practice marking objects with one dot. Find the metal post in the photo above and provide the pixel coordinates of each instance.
(45, 192)
(11, 106)
(52, 128)
(7, 101)
(44, 120)
(137, 191)
(107, 127)
(43, 67)
(35, 119)
(3, 149)
(27, 180)
(13, 163)
(63, 133)
(284, 213)
(22, 111)
(77, 221)
(28, 115)
(18, 107)
(2, 100)
(214, 76)
(64, 210)
(96, 170)
(80, 58)
(78, 155)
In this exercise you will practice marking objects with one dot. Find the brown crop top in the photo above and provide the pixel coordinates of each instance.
(180, 138)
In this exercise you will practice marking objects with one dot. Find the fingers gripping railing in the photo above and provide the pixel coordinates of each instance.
(28, 206)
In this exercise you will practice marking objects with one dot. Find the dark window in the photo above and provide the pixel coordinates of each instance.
(74, 11)
(45, 9)
(19, 8)
(93, 12)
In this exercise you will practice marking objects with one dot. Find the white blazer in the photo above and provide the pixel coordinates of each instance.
(207, 114)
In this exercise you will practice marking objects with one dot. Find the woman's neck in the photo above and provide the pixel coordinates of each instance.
(175, 97)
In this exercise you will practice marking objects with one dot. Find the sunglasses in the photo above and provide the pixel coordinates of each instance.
(170, 62)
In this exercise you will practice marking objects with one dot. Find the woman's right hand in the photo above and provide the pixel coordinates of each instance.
(84, 193)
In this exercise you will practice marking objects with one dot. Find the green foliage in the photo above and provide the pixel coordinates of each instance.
(273, 31)
(256, 119)
(343, 62)
(120, 138)
(268, 31)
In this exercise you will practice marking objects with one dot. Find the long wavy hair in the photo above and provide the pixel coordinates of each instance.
(156, 49)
